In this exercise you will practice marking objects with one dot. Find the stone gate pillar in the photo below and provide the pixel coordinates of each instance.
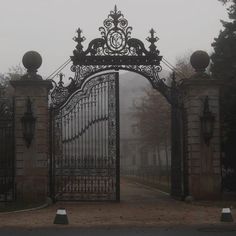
(31, 92)
(203, 164)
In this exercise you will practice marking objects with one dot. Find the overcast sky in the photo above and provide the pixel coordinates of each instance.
(48, 26)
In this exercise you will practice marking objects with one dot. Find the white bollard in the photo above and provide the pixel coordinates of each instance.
(61, 217)
(226, 215)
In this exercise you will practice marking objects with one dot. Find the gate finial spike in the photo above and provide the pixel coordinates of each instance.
(152, 40)
(60, 83)
(79, 39)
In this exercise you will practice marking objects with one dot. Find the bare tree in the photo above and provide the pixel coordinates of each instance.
(183, 66)
(153, 113)
(14, 73)
(153, 118)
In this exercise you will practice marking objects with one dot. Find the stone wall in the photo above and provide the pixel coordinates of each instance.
(203, 161)
(32, 163)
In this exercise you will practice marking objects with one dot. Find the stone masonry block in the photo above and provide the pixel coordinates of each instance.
(195, 170)
(30, 91)
(217, 170)
(42, 148)
(42, 103)
(216, 163)
(19, 133)
(19, 156)
(192, 103)
(194, 125)
(19, 111)
(215, 148)
(41, 141)
(20, 148)
(193, 133)
(194, 140)
(214, 102)
(42, 163)
(19, 164)
(41, 132)
(42, 118)
(193, 155)
(20, 103)
(19, 141)
(216, 155)
(199, 92)
(215, 140)
(42, 138)
(39, 111)
(41, 126)
(194, 110)
(194, 147)
(41, 156)
(19, 172)
(194, 163)
(193, 117)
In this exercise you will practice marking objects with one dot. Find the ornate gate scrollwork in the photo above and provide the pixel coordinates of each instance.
(114, 50)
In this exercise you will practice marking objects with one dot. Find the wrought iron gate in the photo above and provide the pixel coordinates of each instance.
(79, 169)
(85, 142)
(7, 151)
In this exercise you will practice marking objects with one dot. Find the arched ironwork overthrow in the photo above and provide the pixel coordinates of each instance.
(114, 50)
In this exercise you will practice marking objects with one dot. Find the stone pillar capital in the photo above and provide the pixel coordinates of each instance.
(197, 81)
(31, 83)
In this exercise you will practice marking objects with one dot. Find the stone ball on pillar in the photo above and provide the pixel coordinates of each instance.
(32, 60)
(200, 60)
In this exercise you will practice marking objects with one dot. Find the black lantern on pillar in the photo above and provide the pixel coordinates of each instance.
(207, 122)
(28, 123)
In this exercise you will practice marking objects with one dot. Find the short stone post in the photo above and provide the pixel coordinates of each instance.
(203, 153)
(31, 166)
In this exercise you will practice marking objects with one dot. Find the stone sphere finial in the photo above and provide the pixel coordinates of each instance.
(32, 60)
(200, 60)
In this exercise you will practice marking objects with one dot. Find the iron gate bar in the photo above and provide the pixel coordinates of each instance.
(117, 139)
(7, 151)
(176, 144)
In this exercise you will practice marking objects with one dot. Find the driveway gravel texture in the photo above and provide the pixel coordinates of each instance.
(140, 206)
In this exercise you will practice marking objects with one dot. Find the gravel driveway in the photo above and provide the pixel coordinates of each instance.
(139, 206)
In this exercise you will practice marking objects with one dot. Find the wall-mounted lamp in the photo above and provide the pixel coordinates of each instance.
(207, 122)
(28, 123)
